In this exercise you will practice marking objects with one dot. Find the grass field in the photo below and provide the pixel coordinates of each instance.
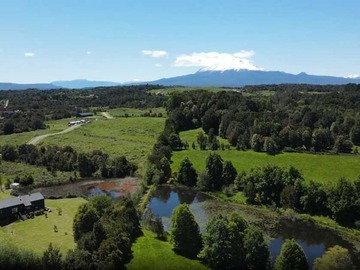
(133, 137)
(21, 138)
(37, 233)
(320, 168)
(121, 112)
(9, 170)
(167, 91)
(151, 253)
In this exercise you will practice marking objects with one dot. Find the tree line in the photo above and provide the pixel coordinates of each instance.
(56, 158)
(229, 242)
(29, 110)
(286, 121)
(277, 187)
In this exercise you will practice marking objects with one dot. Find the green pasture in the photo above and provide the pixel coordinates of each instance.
(132, 137)
(24, 137)
(133, 112)
(324, 168)
(36, 234)
(151, 253)
(168, 91)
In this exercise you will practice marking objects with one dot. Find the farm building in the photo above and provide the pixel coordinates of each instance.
(84, 114)
(21, 205)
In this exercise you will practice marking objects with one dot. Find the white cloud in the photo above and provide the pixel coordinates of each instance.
(155, 54)
(89, 52)
(158, 65)
(29, 54)
(353, 76)
(217, 60)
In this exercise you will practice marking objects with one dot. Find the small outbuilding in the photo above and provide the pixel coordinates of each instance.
(14, 186)
(84, 114)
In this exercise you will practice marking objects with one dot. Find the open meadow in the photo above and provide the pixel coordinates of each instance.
(324, 168)
(36, 234)
(151, 253)
(22, 138)
(131, 112)
(132, 137)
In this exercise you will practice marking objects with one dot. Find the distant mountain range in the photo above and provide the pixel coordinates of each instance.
(77, 84)
(237, 78)
(18, 86)
(212, 76)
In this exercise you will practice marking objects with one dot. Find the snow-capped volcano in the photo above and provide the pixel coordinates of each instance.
(236, 66)
(232, 76)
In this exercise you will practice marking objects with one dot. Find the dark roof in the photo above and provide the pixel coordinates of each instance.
(24, 199)
(10, 202)
(36, 196)
(85, 114)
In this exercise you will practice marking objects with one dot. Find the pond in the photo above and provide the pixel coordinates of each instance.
(313, 240)
(113, 188)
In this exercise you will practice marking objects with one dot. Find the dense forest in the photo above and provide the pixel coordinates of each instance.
(285, 121)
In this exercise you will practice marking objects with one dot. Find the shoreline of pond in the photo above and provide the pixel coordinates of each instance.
(276, 224)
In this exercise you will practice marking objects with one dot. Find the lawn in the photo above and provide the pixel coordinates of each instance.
(132, 137)
(151, 253)
(37, 233)
(317, 167)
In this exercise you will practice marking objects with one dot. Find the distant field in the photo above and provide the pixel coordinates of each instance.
(121, 112)
(151, 253)
(167, 91)
(36, 234)
(21, 138)
(320, 168)
(133, 137)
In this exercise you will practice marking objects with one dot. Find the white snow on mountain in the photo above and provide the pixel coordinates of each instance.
(353, 76)
(217, 61)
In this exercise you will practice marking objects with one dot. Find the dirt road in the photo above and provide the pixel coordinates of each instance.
(107, 115)
(40, 137)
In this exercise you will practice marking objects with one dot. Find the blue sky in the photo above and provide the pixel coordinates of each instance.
(121, 40)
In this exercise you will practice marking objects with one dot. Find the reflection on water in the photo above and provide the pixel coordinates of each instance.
(313, 240)
(166, 198)
(111, 189)
(312, 251)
